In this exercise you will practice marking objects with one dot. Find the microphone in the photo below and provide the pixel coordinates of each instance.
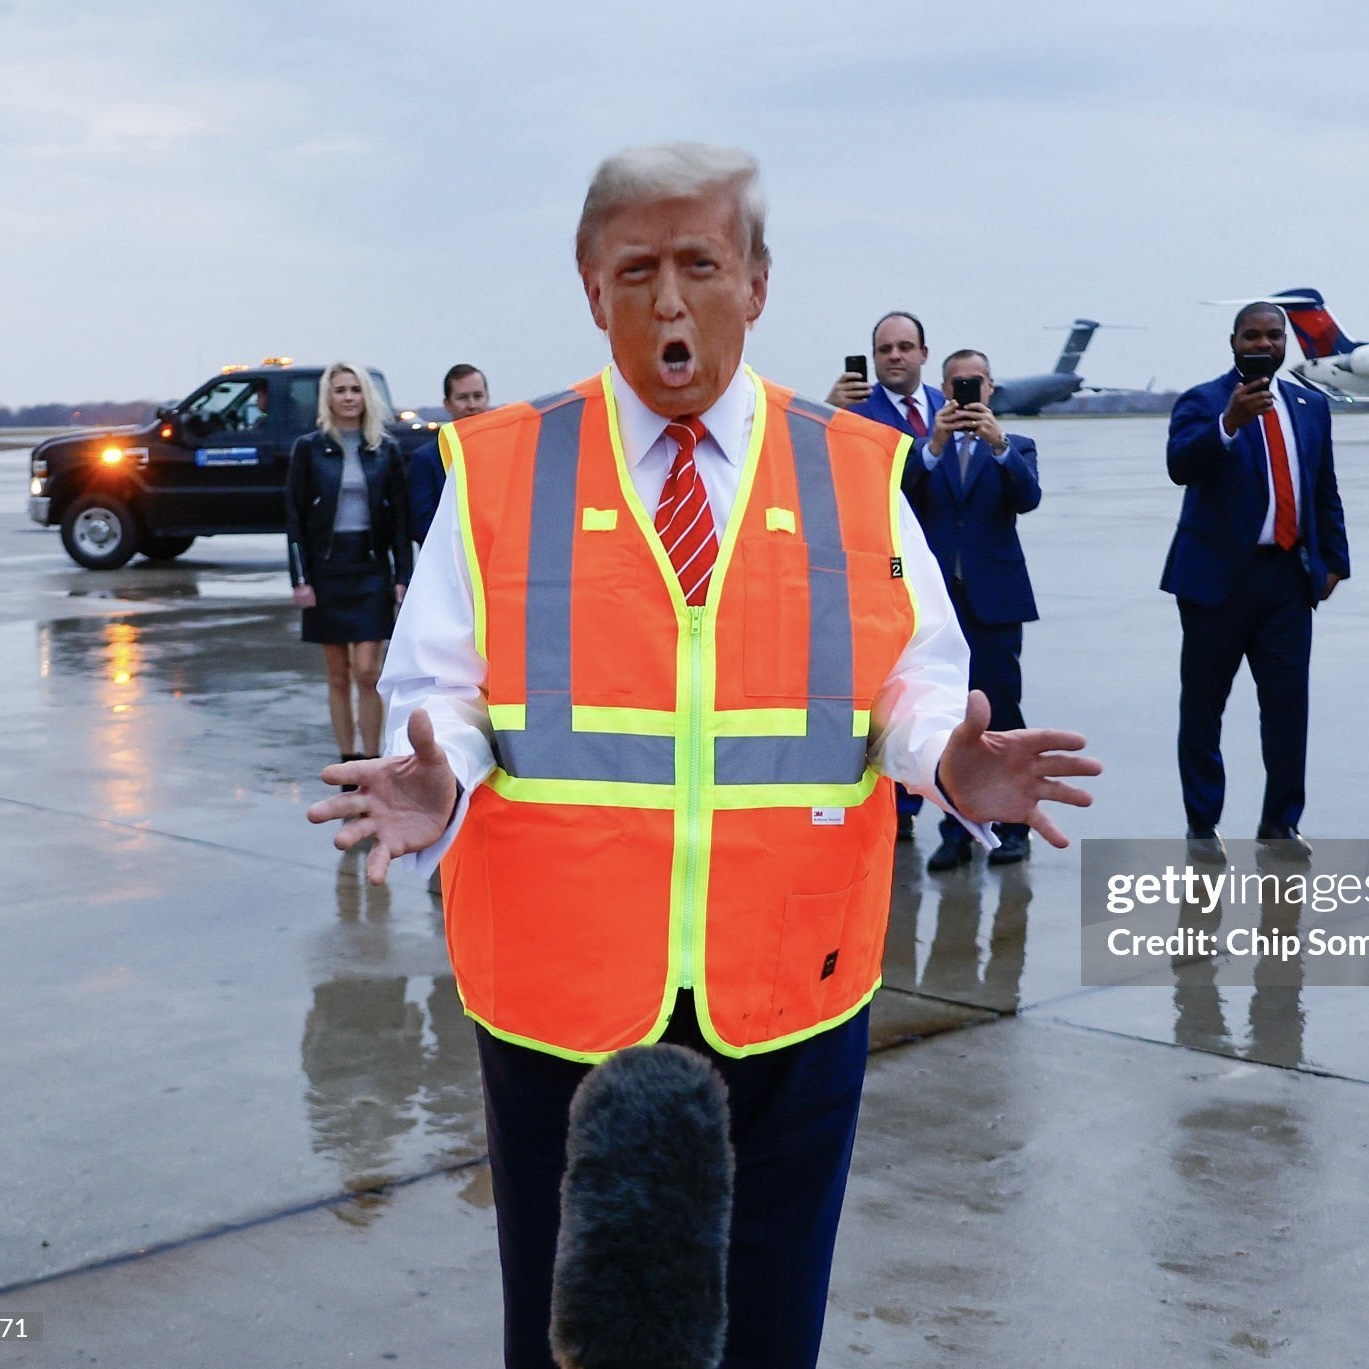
(646, 1208)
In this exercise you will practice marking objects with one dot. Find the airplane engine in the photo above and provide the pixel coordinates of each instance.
(1359, 361)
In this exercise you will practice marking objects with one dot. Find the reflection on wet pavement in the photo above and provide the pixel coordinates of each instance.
(388, 1056)
(198, 988)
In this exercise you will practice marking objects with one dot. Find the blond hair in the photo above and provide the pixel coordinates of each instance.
(374, 415)
(670, 171)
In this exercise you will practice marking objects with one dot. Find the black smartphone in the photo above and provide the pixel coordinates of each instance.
(965, 390)
(857, 364)
(1256, 366)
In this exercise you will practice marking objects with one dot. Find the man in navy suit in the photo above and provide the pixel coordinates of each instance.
(465, 391)
(967, 481)
(900, 400)
(1260, 541)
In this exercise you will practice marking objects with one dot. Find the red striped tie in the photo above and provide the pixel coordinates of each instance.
(683, 518)
(1285, 505)
(915, 419)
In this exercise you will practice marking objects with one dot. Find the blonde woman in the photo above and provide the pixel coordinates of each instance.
(350, 555)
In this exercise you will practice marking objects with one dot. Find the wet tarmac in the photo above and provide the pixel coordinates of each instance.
(243, 1119)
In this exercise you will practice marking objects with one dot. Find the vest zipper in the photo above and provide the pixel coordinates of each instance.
(693, 785)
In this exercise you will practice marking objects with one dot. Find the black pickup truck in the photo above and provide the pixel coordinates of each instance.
(214, 463)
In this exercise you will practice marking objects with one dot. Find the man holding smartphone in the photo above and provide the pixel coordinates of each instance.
(1260, 542)
(967, 481)
(900, 400)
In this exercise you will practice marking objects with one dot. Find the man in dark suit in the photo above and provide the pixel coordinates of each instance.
(967, 481)
(1260, 541)
(900, 400)
(465, 391)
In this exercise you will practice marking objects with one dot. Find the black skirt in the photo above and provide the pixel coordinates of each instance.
(355, 595)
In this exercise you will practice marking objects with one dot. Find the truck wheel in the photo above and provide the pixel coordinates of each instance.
(165, 548)
(99, 532)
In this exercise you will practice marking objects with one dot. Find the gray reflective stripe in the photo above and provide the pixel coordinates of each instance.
(553, 401)
(548, 748)
(828, 753)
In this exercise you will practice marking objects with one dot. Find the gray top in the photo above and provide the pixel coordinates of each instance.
(353, 508)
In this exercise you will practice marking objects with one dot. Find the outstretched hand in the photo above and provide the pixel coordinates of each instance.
(404, 802)
(1005, 776)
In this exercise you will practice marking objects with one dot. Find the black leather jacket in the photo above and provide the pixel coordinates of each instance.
(311, 495)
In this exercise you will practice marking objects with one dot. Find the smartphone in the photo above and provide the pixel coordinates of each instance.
(965, 390)
(1257, 366)
(857, 364)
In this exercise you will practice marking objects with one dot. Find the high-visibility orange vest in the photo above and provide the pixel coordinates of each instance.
(681, 798)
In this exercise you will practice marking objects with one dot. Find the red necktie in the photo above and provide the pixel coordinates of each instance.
(683, 518)
(1285, 506)
(915, 420)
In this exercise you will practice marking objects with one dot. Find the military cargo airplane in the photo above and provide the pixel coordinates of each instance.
(1030, 394)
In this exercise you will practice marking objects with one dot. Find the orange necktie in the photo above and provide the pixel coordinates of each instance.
(1285, 505)
(683, 518)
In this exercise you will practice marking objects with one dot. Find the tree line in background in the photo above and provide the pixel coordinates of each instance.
(106, 414)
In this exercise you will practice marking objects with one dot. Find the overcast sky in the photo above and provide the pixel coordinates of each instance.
(184, 185)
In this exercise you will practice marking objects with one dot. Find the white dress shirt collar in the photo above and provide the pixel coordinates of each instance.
(728, 421)
(900, 402)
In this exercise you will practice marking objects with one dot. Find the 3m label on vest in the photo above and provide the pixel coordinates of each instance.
(829, 817)
(896, 568)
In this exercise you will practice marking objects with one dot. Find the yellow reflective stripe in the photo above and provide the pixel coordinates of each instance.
(733, 796)
(632, 722)
(780, 520)
(579, 1057)
(646, 521)
(447, 434)
(454, 454)
(750, 464)
(860, 723)
(583, 793)
(901, 454)
(764, 1047)
(509, 717)
(598, 520)
(624, 794)
(761, 722)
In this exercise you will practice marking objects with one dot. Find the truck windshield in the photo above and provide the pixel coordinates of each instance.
(232, 405)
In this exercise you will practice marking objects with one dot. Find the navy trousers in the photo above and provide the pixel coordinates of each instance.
(1266, 620)
(996, 668)
(793, 1121)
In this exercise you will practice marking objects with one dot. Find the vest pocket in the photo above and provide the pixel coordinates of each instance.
(821, 971)
(775, 639)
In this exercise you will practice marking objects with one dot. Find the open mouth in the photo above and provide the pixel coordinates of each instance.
(677, 364)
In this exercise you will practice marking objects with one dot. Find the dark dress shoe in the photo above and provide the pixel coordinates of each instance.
(1205, 844)
(1014, 847)
(950, 854)
(1285, 841)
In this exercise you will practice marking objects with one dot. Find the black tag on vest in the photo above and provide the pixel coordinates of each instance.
(896, 568)
(829, 966)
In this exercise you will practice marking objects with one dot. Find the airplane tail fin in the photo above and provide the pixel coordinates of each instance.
(1075, 344)
(1319, 335)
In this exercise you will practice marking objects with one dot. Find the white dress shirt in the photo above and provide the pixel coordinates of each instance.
(432, 661)
(920, 401)
(1290, 442)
